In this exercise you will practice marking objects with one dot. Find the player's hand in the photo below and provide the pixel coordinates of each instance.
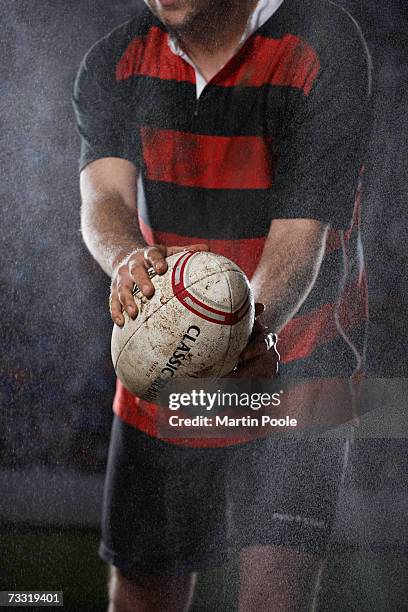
(260, 358)
(134, 269)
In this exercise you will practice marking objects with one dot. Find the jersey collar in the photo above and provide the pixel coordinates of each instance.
(263, 11)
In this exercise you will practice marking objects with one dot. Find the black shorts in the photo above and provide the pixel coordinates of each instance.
(172, 510)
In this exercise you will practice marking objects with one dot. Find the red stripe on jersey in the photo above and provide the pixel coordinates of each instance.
(209, 162)
(287, 62)
(245, 253)
(303, 334)
(151, 56)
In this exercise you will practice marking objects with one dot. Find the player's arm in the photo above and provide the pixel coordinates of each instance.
(109, 211)
(288, 268)
(110, 229)
(286, 273)
(111, 232)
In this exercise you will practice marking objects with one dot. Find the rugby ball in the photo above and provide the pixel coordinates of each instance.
(196, 324)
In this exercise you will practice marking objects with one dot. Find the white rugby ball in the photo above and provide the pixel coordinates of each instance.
(196, 324)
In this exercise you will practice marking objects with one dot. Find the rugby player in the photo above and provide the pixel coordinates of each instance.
(238, 126)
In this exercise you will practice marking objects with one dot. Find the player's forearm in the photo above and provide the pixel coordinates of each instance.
(287, 271)
(110, 229)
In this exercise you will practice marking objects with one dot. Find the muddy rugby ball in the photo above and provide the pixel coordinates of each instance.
(196, 324)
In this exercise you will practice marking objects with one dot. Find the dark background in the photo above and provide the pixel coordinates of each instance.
(56, 381)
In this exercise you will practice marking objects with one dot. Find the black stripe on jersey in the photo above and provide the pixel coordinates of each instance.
(220, 111)
(218, 214)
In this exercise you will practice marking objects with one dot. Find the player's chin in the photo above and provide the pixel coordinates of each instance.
(175, 14)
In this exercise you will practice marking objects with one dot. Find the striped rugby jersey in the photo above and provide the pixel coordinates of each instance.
(279, 132)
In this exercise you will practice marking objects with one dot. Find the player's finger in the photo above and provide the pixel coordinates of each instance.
(263, 343)
(259, 309)
(139, 274)
(189, 247)
(261, 365)
(154, 256)
(258, 329)
(255, 348)
(251, 369)
(126, 298)
(115, 308)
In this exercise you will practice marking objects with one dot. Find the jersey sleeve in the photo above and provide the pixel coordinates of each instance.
(101, 112)
(321, 148)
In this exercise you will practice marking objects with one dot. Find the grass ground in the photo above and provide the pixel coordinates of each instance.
(65, 560)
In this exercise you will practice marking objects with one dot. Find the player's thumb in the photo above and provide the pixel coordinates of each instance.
(189, 247)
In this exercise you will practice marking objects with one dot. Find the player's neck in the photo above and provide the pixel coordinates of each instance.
(212, 44)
